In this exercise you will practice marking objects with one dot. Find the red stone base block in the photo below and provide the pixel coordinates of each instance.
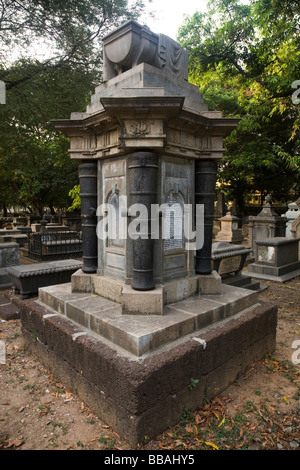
(143, 397)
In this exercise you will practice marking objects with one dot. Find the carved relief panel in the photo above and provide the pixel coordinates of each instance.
(177, 191)
(112, 189)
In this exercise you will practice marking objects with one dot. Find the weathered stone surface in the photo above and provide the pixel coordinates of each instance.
(146, 303)
(20, 239)
(27, 279)
(229, 258)
(267, 224)
(291, 214)
(9, 307)
(210, 283)
(149, 302)
(140, 334)
(147, 106)
(230, 231)
(5, 281)
(9, 254)
(276, 259)
(132, 354)
(144, 397)
(132, 44)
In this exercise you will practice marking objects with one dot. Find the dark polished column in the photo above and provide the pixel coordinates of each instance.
(88, 195)
(143, 174)
(205, 184)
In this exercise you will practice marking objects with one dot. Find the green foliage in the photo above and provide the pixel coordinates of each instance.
(34, 158)
(50, 61)
(245, 58)
(193, 383)
(74, 193)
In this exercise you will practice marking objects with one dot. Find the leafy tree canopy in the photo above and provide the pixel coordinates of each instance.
(70, 30)
(50, 61)
(245, 59)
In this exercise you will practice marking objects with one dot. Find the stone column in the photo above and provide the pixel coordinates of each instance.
(88, 194)
(143, 174)
(205, 183)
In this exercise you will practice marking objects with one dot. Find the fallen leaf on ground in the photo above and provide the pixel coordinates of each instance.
(15, 443)
(222, 422)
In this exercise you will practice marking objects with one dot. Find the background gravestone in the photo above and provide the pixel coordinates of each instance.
(291, 214)
(9, 256)
(267, 224)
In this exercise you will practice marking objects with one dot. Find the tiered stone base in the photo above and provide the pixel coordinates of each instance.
(139, 385)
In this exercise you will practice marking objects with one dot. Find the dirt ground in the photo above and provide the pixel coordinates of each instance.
(261, 410)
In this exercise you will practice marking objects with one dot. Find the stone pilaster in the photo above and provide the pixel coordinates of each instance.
(143, 173)
(88, 194)
(205, 183)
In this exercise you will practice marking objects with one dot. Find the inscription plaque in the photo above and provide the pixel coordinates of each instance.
(173, 223)
(229, 265)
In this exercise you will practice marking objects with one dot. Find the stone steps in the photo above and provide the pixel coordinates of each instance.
(142, 334)
(241, 280)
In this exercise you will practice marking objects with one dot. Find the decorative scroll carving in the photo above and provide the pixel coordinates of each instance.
(140, 128)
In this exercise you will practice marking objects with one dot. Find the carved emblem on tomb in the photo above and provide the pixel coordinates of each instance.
(140, 127)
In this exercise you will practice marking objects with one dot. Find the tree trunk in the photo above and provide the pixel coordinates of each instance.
(4, 209)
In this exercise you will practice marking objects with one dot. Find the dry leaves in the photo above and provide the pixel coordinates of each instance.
(213, 428)
(11, 444)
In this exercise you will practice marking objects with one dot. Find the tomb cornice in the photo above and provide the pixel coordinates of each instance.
(143, 106)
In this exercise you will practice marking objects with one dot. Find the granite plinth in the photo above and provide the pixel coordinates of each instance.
(143, 396)
(142, 334)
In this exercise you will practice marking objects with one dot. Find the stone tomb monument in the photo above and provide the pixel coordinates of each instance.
(146, 314)
(230, 231)
(291, 215)
(295, 227)
(267, 224)
(9, 256)
(276, 259)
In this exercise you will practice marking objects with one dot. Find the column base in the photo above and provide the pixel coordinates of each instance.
(150, 302)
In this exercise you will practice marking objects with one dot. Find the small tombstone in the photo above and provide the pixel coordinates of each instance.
(230, 231)
(267, 224)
